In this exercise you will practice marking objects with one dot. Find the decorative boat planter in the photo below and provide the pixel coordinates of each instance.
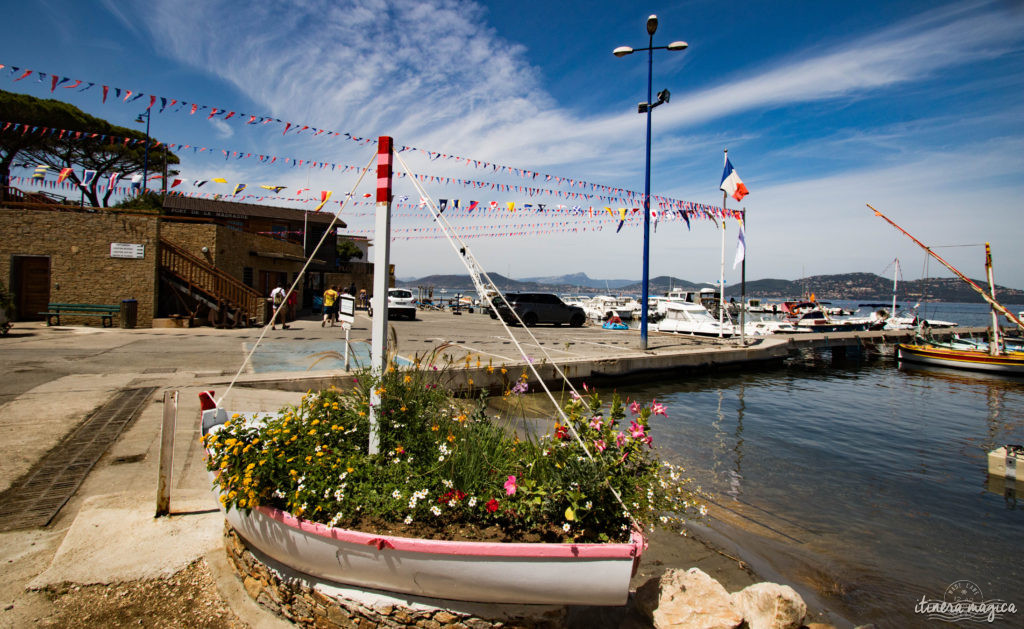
(531, 573)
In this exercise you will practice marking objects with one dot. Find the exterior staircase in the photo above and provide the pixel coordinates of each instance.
(198, 283)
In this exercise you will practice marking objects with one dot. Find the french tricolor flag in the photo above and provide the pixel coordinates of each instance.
(732, 185)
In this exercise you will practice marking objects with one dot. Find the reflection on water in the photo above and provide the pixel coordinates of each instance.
(875, 477)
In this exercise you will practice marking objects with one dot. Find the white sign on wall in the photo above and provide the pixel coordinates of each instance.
(127, 250)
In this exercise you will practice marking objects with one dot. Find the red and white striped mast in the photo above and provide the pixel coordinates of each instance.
(381, 271)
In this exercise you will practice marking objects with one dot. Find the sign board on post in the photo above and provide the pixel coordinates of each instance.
(347, 309)
(127, 250)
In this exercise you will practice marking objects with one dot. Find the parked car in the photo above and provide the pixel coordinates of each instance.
(534, 308)
(401, 303)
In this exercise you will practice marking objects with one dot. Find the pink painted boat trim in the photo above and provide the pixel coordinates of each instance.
(632, 549)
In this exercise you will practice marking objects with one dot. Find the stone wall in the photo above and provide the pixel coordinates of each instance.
(81, 267)
(305, 605)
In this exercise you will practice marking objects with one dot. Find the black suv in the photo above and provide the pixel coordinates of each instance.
(534, 308)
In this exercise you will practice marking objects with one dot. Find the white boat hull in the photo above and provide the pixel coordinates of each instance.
(485, 572)
(560, 574)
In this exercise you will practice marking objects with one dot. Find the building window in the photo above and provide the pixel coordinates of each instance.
(247, 276)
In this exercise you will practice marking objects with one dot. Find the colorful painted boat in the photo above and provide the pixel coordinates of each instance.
(975, 359)
(485, 572)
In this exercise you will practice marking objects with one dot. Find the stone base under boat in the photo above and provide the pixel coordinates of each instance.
(311, 602)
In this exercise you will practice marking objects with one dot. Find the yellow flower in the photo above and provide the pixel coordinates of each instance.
(451, 437)
(404, 408)
(407, 379)
(490, 369)
(470, 382)
(435, 427)
(315, 422)
(504, 371)
(350, 469)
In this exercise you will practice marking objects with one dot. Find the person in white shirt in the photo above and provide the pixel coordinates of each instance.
(280, 309)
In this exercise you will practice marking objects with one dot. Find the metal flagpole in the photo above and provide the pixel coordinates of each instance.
(743, 280)
(721, 278)
(381, 265)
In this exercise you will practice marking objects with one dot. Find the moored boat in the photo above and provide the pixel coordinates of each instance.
(974, 359)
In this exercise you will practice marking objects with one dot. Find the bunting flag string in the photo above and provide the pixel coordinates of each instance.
(560, 218)
(176, 105)
(684, 208)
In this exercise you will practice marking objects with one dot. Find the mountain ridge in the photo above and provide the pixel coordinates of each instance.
(848, 286)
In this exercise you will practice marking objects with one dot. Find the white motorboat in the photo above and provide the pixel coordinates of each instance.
(603, 307)
(765, 327)
(691, 318)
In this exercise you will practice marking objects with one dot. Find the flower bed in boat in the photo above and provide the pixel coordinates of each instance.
(446, 470)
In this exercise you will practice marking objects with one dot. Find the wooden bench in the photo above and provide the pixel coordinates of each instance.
(106, 312)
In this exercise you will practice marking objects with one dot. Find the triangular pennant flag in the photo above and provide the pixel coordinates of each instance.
(238, 188)
(64, 174)
(324, 195)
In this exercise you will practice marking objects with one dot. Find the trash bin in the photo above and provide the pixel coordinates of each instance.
(129, 313)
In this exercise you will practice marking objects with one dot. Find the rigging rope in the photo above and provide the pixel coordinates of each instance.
(298, 278)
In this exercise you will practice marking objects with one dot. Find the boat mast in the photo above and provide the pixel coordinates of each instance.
(895, 274)
(993, 346)
(981, 291)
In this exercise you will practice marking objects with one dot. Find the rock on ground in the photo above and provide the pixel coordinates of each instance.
(770, 606)
(687, 600)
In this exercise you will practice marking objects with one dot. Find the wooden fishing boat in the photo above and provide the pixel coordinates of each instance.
(484, 572)
(974, 359)
(994, 357)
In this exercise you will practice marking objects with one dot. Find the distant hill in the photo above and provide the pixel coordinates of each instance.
(850, 286)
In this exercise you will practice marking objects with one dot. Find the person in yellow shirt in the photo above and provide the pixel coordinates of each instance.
(330, 306)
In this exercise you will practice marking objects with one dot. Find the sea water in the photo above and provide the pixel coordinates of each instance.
(870, 478)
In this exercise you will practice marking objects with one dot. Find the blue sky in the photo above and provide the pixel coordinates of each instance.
(914, 107)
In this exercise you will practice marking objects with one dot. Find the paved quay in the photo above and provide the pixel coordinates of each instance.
(59, 377)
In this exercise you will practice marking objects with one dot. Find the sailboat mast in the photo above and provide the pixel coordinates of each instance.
(993, 346)
(981, 291)
(895, 274)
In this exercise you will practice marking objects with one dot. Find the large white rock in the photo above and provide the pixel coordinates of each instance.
(687, 600)
(770, 606)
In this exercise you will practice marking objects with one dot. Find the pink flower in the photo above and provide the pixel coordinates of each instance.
(636, 431)
(596, 423)
(600, 445)
(575, 396)
(635, 408)
(510, 485)
(585, 387)
(658, 409)
(620, 439)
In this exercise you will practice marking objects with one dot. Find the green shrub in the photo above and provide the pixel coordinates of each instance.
(444, 464)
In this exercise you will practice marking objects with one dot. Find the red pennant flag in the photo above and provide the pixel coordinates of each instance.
(194, 108)
(75, 84)
(27, 72)
(213, 113)
(176, 182)
(286, 127)
(152, 101)
(53, 82)
(106, 90)
(229, 115)
(127, 93)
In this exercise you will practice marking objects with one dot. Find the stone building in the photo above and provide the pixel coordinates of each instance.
(197, 260)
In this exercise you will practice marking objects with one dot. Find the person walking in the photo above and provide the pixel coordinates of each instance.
(330, 306)
(277, 297)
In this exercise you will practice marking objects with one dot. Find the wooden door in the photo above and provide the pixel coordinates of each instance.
(31, 286)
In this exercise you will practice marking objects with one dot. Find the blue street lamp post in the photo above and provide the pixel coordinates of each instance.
(145, 162)
(646, 107)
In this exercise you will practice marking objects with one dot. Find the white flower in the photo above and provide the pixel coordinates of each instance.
(435, 510)
(447, 483)
(472, 501)
(703, 510)
(408, 519)
(396, 494)
(566, 527)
